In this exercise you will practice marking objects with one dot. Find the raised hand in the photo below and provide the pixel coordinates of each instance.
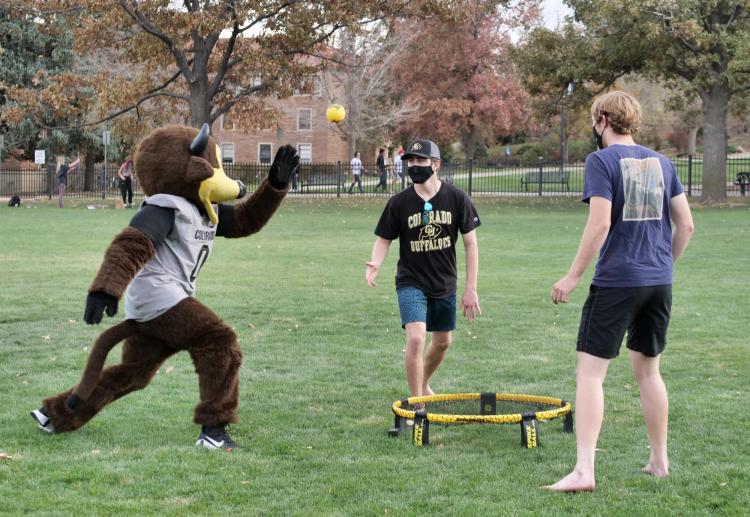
(285, 163)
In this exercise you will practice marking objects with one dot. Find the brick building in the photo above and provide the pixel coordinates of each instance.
(302, 123)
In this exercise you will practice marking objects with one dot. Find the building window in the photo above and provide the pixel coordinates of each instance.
(304, 119)
(226, 123)
(305, 153)
(317, 87)
(227, 152)
(264, 153)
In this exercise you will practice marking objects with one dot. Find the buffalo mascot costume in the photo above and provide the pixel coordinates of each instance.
(155, 262)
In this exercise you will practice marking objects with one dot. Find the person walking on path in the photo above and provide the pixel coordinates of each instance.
(382, 171)
(357, 169)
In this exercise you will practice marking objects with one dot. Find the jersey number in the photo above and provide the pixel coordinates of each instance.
(202, 256)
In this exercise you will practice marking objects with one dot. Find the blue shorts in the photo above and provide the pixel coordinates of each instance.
(438, 313)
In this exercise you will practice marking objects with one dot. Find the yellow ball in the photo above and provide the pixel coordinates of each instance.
(335, 113)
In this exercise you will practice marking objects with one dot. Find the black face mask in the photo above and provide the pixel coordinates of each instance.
(599, 139)
(420, 173)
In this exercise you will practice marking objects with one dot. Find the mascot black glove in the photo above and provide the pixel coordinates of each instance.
(96, 303)
(285, 163)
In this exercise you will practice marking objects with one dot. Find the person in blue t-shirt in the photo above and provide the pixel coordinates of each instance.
(634, 197)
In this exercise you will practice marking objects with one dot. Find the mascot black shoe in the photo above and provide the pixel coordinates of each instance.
(154, 263)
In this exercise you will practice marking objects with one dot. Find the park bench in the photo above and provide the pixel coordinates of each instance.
(306, 182)
(556, 176)
(743, 181)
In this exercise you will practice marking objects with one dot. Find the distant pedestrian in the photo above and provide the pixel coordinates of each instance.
(357, 169)
(62, 177)
(398, 166)
(125, 175)
(382, 170)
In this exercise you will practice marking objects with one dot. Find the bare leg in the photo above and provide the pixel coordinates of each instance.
(655, 404)
(589, 412)
(416, 333)
(433, 357)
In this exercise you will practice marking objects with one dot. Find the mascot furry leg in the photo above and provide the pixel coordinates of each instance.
(166, 244)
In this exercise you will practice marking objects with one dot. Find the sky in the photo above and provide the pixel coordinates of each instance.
(553, 11)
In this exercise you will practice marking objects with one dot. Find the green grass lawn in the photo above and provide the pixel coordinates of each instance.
(323, 363)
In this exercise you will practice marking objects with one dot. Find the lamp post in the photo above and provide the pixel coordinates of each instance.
(563, 151)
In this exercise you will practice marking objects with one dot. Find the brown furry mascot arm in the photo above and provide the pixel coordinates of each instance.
(250, 215)
(128, 253)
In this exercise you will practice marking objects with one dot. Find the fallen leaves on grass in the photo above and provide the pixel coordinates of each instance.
(5, 456)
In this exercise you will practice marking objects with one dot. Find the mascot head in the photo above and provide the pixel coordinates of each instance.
(182, 161)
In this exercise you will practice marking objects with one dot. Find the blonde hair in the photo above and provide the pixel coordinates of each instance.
(622, 110)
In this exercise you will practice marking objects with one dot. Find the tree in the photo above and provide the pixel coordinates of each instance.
(699, 46)
(458, 72)
(27, 57)
(199, 60)
(364, 80)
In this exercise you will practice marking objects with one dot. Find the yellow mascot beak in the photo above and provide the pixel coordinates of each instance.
(219, 188)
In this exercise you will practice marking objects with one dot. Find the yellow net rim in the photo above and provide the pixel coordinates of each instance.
(563, 408)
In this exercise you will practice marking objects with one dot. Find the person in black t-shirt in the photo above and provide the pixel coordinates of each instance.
(382, 171)
(426, 218)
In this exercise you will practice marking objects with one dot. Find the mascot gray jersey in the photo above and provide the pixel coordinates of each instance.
(169, 277)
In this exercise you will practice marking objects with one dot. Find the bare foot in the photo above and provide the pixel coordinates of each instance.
(657, 471)
(573, 482)
(427, 390)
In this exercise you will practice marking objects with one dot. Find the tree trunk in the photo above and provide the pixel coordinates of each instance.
(470, 144)
(200, 105)
(715, 104)
(692, 137)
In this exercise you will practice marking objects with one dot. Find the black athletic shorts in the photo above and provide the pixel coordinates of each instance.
(611, 311)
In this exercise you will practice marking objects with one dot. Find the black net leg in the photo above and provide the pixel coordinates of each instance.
(568, 420)
(529, 431)
(421, 432)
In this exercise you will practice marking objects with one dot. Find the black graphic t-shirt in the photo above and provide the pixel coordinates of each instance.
(427, 238)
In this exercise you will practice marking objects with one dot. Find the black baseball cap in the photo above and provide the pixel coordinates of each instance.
(422, 148)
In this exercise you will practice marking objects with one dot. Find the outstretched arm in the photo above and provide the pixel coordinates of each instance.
(252, 214)
(125, 257)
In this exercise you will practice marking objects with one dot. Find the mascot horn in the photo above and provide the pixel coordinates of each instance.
(154, 263)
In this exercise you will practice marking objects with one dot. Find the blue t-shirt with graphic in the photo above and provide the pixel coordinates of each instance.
(640, 184)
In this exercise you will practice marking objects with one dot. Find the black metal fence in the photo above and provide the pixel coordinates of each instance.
(336, 180)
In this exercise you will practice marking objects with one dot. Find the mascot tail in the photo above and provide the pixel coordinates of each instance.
(104, 343)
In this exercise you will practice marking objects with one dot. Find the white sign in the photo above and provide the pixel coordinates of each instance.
(105, 137)
(39, 157)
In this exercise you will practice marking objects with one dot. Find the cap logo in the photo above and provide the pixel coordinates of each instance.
(416, 147)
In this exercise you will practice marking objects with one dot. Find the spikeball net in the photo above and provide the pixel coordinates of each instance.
(419, 413)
